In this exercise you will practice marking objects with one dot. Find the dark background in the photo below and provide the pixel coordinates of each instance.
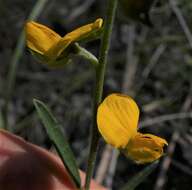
(152, 64)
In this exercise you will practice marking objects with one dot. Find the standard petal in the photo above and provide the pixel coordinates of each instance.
(145, 148)
(78, 34)
(84, 31)
(39, 37)
(117, 119)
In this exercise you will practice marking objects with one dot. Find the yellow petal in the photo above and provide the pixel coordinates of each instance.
(56, 50)
(72, 37)
(39, 37)
(145, 148)
(117, 119)
(84, 31)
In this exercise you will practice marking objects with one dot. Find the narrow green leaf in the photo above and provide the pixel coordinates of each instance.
(56, 136)
(140, 177)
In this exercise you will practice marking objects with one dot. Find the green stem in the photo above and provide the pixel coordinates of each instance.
(86, 54)
(100, 74)
(37, 9)
(12, 75)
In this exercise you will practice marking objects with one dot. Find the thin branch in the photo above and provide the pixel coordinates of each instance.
(131, 61)
(164, 118)
(80, 10)
(182, 167)
(129, 77)
(103, 165)
(108, 163)
(166, 162)
(181, 21)
(112, 168)
(100, 75)
(154, 60)
(161, 180)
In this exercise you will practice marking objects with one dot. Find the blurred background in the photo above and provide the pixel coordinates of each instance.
(153, 65)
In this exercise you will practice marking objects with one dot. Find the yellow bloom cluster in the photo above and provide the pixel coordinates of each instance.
(117, 120)
(51, 46)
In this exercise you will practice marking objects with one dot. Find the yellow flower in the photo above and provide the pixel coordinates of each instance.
(117, 120)
(144, 148)
(50, 46)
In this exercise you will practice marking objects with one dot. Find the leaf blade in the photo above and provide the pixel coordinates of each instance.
(140, 177)
(55, 134)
